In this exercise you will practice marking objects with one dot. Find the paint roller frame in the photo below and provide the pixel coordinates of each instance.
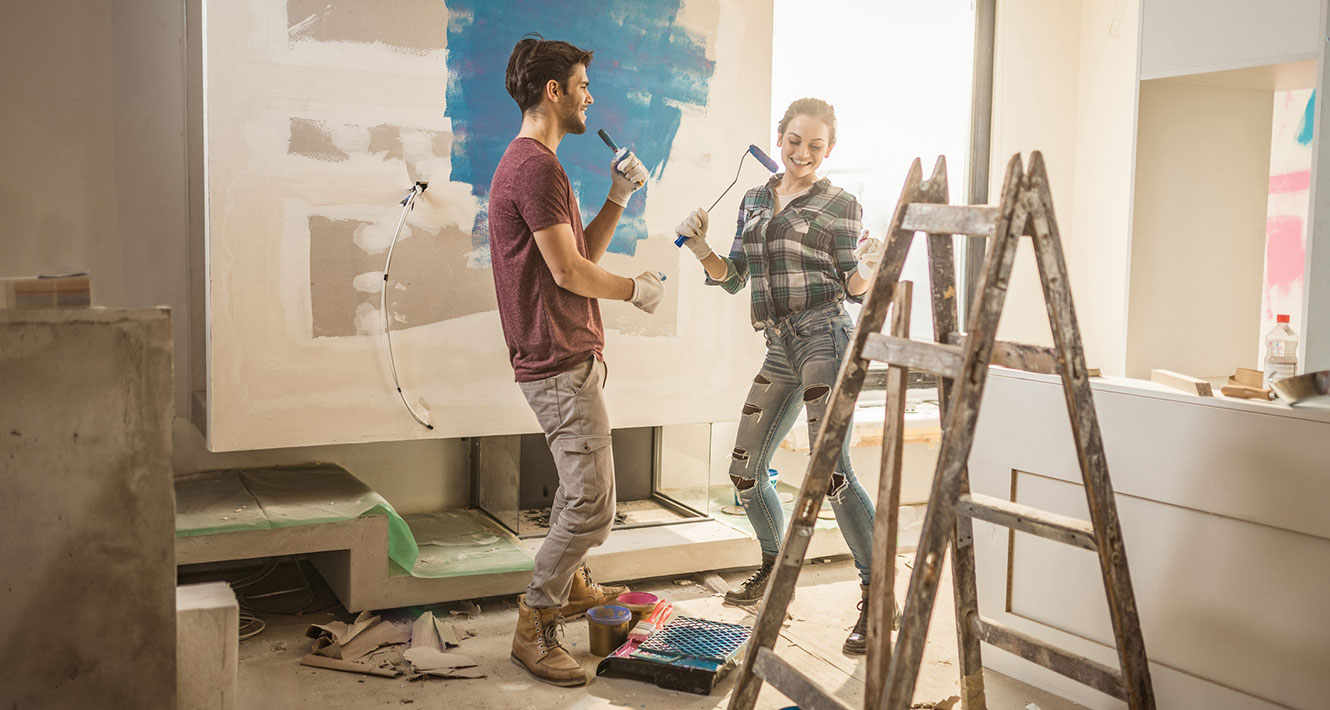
(761, 157)
(408, 204)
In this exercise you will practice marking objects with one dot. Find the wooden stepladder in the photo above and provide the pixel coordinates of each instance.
(961, 362)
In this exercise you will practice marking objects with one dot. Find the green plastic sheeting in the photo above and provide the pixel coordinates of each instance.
(456, 543)
(214, 502)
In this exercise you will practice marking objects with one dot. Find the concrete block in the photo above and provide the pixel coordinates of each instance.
(207, 646)
(87, 509)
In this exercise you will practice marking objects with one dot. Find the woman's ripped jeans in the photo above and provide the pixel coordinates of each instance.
(804, 353)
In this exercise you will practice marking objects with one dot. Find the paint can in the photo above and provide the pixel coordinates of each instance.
(638, 603)
(608, 627)
(772, 475)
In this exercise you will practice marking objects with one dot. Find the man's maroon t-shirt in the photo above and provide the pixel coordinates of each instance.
(548, 329)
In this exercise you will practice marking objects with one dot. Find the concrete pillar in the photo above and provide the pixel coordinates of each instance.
(87, 510)
(207, 648)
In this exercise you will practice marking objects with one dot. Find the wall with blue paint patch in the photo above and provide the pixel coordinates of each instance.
(653, 68)
(320, 114)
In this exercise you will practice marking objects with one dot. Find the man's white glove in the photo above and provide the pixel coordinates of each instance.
(647, 291)
(694, 230)
(627, 173)
(868, 254)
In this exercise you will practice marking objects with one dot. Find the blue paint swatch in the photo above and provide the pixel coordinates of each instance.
(1308, 123)
(646, 66)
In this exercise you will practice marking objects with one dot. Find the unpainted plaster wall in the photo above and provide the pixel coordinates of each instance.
(1065, 84)
(92, 131)
(1198, 236)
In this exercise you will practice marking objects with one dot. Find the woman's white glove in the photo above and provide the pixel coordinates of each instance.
(627, 173)
(647, 291)
(868, 254)
(694, 231)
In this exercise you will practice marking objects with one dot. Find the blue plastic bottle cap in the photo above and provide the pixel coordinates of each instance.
(609, 614)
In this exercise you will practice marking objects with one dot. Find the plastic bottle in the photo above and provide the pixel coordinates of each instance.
(1281, 351)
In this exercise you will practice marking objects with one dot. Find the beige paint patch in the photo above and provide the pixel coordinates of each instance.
(311, 139)
(430, 279)
(421, 150)
(410, 26)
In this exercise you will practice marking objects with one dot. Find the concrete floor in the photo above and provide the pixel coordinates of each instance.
(271, 676)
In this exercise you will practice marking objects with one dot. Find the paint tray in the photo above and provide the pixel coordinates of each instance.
(689, 655)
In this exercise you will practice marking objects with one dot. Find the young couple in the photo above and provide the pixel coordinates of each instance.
(797, 243)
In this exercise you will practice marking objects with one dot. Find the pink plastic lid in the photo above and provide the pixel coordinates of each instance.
(638, 598)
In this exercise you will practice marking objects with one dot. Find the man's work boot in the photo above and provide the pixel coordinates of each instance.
(586, 593)
(750, 591)
(857, 642)
(536, 647)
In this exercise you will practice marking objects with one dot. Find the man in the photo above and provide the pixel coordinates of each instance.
(548, 283)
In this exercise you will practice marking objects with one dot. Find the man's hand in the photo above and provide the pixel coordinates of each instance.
(647, 291)
(868, 254)
(694, 229)
(627, 173)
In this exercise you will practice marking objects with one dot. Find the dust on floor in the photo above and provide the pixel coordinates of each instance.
(824, 609)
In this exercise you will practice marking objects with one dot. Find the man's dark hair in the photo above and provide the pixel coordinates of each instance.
(534, 62)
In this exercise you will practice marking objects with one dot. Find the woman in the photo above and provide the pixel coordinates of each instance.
(796, 243)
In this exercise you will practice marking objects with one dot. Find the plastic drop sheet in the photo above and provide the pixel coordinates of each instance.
(214, 502)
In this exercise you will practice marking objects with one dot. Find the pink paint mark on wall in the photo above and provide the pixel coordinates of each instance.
(1284, 252)
(1291, 182)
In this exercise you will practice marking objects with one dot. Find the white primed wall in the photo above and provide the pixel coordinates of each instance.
(1192, 36)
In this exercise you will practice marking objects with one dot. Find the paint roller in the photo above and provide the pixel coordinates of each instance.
(753, 150)
(407, 203)
(762, 158)
(610, 142)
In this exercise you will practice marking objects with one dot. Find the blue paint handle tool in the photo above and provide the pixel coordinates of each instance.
(753, 150)
(610, 142)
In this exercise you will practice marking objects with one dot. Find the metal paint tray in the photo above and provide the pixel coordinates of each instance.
(689, 655)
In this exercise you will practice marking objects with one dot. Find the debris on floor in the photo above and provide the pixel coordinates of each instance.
(432, 632)
(390, 649)
(427, 661)
(337, 664)
(712, 581)
(947, 704)
(469, 609)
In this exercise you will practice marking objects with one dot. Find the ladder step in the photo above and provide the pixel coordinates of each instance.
(1018, 356)
(1096, 675)
(975, 220)
(937, 358)
(1060, 528)
(804, 691)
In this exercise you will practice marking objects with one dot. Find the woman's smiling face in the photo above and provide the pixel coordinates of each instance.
(804, 144)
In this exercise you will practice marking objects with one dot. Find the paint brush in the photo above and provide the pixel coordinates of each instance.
(659, 615)
(754, 151)
(613, 147)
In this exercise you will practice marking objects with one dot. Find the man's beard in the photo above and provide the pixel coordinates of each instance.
(572, 122)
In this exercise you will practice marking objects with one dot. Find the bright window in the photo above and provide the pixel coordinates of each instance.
(898, 74)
